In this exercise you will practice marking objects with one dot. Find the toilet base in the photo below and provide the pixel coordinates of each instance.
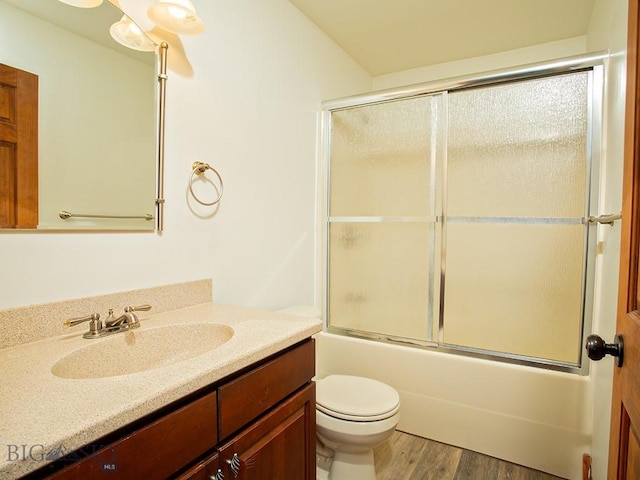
(346, 436)
(324, 458)
(351, 465)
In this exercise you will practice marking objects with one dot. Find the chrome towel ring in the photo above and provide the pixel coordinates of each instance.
(199, 168)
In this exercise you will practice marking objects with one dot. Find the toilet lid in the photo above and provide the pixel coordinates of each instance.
(356, 398)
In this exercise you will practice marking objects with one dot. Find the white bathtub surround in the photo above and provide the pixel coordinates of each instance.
(75, 412)
(524, 415)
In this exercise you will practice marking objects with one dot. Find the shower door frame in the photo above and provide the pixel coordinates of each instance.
(594, 62)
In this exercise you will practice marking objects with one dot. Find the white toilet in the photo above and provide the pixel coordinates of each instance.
(353, 415)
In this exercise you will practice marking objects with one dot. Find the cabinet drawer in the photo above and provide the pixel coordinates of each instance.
(156, 450)
(248, 396)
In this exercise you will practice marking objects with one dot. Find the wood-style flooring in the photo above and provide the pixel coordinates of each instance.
(407, 457)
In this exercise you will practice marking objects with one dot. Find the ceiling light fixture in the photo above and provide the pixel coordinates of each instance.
(144, 28)
(127, 33)
(176, 16)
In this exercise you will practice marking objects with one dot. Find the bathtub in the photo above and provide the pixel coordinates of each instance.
(533, 417)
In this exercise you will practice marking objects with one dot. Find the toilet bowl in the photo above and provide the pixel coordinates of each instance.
(353, 415)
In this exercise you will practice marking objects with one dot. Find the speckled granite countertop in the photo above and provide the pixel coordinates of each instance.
(41, 413)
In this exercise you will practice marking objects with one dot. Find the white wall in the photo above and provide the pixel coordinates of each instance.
(261, 70)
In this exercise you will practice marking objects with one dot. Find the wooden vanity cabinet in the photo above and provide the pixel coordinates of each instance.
(263, 416)
(277, 446)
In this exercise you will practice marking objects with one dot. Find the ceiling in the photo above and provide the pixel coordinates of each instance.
(386, 36)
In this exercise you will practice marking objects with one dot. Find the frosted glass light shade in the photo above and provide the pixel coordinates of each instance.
(127, 33)
(176, 16)
(83, 3)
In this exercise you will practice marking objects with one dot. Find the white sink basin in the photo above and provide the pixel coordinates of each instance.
(141, 349)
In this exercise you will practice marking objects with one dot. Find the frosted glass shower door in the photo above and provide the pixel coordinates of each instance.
(459, 218)
(381, 217)
(517, 194)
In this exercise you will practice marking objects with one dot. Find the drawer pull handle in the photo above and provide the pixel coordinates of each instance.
(218, 476)
(234, 463)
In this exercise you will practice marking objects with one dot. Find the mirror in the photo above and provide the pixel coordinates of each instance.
(96, 114)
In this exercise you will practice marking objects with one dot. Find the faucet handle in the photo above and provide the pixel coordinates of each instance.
(94, 317)
(139, 308)
(95, 324)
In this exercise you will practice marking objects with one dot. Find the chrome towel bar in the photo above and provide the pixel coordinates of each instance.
(65, 215)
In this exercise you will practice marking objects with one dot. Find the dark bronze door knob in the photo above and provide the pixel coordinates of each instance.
(597, 349)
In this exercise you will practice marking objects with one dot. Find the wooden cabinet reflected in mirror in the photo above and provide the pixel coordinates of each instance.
(95, 118)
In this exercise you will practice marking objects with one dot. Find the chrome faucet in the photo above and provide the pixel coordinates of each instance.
(124, 322)
(127, 318)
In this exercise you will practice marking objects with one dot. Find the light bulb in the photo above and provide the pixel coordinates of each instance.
(176, 16)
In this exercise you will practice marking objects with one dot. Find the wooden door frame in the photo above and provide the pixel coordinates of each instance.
(630, 240)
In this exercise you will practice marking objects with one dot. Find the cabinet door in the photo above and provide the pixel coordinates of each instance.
(280, 445)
